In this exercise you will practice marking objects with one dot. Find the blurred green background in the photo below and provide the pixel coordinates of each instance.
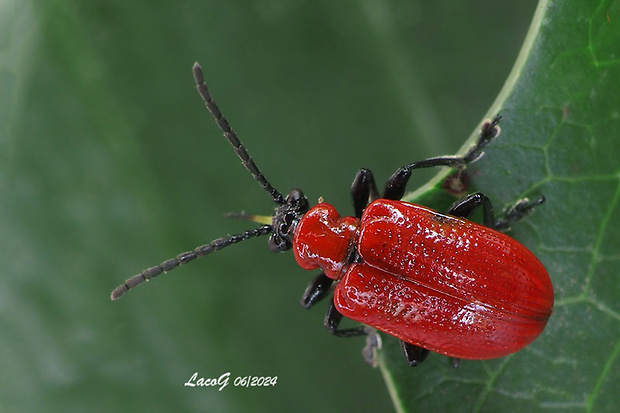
(110, 164)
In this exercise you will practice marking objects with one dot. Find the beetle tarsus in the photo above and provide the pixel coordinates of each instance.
(519, 210)
(488, 132)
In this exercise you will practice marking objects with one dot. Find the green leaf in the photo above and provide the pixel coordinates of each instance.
(109, 164)
(561, 109)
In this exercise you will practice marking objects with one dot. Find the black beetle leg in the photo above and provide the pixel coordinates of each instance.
(373, 340)
(315, 291)
(332, 321)
(414, 354)
(396, 185)
(363, 190)
(466, 205)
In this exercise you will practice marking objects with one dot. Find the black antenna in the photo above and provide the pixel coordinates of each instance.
(219, 243)
(231, 136)
(186, 257)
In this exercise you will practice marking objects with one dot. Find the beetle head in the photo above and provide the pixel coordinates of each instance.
(285, 219)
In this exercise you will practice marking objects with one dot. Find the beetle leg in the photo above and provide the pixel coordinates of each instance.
(373, 340)
(396, 185)
(520, 209)
(414, 354)
(466, 205)
(363, 190)
(332, 321)
(316, 290)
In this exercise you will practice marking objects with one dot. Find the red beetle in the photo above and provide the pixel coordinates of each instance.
(437, 282)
